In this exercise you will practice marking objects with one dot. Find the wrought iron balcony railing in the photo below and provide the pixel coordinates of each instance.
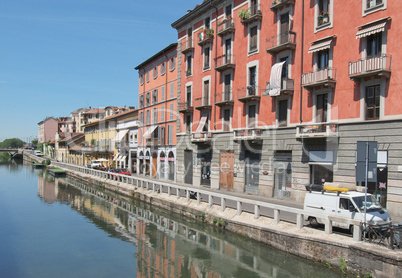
(286, 40)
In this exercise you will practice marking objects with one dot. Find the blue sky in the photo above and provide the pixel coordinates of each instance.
(59, 55)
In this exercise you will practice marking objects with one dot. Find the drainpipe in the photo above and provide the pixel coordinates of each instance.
(216, 55)
(301, 65)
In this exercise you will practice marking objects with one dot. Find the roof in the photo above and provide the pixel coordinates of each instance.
(94, 111)
(192, 14)
(121, 114)
(168, 48)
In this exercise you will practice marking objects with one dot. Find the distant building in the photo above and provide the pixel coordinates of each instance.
(157, 114)
(47, 129)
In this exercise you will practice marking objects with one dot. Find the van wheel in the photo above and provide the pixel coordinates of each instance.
(313, 222)
(351, 229)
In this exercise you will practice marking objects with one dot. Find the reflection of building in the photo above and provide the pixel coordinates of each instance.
(157, 114)
(47, 189)
(278, 99)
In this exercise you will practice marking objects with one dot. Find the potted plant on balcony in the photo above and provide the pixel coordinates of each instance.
(244, 14)
(188, 72)
(209, 33)
(325, 16)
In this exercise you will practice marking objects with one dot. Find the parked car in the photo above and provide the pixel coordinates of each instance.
(38, 153)
(318, 205)
(121, 171)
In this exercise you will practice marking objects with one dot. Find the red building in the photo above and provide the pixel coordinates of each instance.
(157, 114)
(274, 95)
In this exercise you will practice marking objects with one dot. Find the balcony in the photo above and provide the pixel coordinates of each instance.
(185, 107)
(372, 66)
(323, 77)
(225, 62)
(224, 99)
(246, 134)
(277, 4)
(252, 14)
(226, 26)
(152, 142)
(187, 45)
(202, 103)
(249, 93)
(202, 137)
(317, 130)
(281, 42)
(287, 86)
(205, 36)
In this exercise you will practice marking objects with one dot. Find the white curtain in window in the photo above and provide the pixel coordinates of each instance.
(275, 81)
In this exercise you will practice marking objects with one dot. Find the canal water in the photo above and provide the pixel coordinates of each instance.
(61, 227)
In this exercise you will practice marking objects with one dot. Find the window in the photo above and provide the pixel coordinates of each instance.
(162, 114)
(321, 108)
(171, 111)
(374, 44)
(163, 94)
(228, 11)
(282, 112)
(155, 97)
(323, 59)
(371, 6)
(206, 125)
(148, 99)
(373, 3)
(323, 14)
(372, 102)
(172, 62)
(189, 65)
(252, 113)
(147, 76)
(226, 119)
(252, 81)
(172, 90)
(188, 95)
(188, 124)
(253, 39)
(141, 79)
(155, 72)
(319, 174)
(206, 57)
(148, 117)
(163, 68)
(142, 101)
(207, 23)
(205, 100)
(162, 136)
(170, 134)
(155, 118)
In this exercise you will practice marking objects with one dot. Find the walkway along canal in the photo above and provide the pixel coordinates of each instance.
(252, 218)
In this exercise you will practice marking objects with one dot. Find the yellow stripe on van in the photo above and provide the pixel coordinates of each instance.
(336, 189)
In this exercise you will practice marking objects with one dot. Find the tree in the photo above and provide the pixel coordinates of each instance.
(34, 142)
(12, 143)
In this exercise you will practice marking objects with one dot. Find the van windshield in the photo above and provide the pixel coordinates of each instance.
(371, 205)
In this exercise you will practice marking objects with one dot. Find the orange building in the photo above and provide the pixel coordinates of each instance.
(274, 95)
(157, 114)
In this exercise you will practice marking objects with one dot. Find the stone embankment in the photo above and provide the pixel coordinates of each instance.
(313, 244)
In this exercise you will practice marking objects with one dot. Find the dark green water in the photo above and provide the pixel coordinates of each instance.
(63, 228)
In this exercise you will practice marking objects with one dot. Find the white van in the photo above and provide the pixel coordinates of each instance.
(37, 153)
(349, 205)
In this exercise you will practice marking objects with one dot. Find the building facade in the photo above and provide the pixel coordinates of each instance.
(157, 114)
(275, 95)
(47, 129)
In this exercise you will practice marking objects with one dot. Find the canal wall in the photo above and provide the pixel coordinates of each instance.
(312, 244)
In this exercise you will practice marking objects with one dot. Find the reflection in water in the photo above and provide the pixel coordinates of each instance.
(168, 246)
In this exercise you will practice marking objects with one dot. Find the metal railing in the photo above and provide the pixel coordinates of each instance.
(225, 25)
(281, 39)
(318, 76)
(129, 183)
(224, 96)
(370, 64)
(201, 101)
(186, 44)
(225, 60)
(317, 130)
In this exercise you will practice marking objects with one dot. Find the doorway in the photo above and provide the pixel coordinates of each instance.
(226, 170)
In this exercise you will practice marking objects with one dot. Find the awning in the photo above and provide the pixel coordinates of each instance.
(320, 45)
(372, 28)
(275, 80)
(201, 125)
(149, 131)
(120, 135)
